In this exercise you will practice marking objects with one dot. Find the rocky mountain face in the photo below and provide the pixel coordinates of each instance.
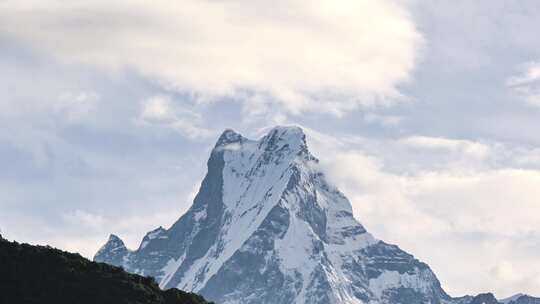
(266, 227)
(36, 274)
(489, 298)
(521, 299)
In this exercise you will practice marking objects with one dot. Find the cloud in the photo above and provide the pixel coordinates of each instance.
(385, 120)
(326, 56)
(157, 108)
(85, 219)
(78, 106)
(481, 218)
(526, 84)
(468, 147)
(529, 157)
(497, 202)
(160, 110)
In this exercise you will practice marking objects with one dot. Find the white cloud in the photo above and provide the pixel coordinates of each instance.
(530, 74)
(85, 219)
(468, 147)
(528, 157)
(500, 201)
(76, 106)
(322, 55)
(160, 110)
(157, 108)
(482, 220)
(385, 120)
(526, 84)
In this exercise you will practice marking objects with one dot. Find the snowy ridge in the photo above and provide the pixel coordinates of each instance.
(266, 227)
(520, 299)
(511, 299)
(250, 191)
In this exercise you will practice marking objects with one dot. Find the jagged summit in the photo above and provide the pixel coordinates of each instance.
(287, 133)
(292, 135)
(285, 136)
(229, 136)
(520, 299)
(512, 298)
(266, 227)
(484, 298)
(113, 250)
(115, 242)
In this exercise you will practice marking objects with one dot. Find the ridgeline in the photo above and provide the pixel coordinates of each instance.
(38, 274)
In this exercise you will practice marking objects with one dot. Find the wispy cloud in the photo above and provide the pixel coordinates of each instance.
(324, 56)
(162, 111)
(76, 106)
(385, 120)
(526, 84)
(471, 148)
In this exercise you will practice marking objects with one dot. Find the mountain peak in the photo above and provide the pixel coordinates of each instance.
(292, 134)
(266, 227)
(114, 239)
(520, 298)
(484, 298)
(113, 249)
(287, 133)
(512, 298)
(229, 136)
(281, 139)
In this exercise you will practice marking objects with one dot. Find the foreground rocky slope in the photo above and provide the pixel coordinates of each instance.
(266, 227)
(35, 274)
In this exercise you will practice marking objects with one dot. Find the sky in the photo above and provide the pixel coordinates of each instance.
(426, 114)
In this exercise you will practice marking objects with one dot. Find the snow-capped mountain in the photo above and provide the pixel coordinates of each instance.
(266, 227)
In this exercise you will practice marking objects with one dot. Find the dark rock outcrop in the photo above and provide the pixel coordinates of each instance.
(37, 274)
